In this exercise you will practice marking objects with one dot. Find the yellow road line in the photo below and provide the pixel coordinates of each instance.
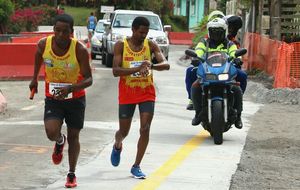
(155, 179)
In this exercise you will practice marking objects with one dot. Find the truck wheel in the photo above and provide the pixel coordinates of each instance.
(93, 56)
(103, 58)
(109, 60)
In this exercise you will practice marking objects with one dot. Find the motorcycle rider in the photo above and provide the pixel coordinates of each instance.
(216, 41)
(234, 24)
(190, 74)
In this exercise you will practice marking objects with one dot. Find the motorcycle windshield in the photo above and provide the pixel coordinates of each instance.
(216, 58)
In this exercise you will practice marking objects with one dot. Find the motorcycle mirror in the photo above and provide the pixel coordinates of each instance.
(190, 53)
(240, 52)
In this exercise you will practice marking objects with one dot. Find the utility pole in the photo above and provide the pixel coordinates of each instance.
(275, 22)
(206, 7)
(188, 14)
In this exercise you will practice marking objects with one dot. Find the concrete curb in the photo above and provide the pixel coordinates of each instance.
(3, 103)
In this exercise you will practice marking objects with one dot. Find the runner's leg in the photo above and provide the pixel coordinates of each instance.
(53, 129)
(74, 147)
(146, 116)
(126, 112)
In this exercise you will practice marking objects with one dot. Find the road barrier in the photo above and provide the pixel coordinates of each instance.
(18, 54)
(276, 58)
(17, 60)
(181, 38)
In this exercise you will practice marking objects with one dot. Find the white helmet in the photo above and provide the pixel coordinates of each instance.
(215, 14)
(217, 29)
(217, 23)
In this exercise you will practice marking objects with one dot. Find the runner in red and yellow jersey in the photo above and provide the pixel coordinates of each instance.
(67, 74)
(132, 63)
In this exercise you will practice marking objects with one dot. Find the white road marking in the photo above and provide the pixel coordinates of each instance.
(87, 124)
(33, 106)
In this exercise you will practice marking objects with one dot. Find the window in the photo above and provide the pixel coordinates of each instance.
(125, 21)
(178, 6)
(193, 7)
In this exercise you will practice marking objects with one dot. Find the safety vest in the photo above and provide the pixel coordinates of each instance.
(205, 46)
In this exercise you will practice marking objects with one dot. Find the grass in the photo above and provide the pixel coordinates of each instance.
(79, 14)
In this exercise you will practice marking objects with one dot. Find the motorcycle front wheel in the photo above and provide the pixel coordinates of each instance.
(217, 121)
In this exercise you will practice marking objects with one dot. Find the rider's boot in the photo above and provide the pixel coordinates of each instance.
(238, 122)
(197, 119)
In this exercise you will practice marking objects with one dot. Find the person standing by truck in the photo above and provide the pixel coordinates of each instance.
(91, 25)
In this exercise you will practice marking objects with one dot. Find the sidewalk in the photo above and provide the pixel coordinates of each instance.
(179, 156)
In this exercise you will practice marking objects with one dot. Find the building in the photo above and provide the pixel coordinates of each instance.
(193, 9)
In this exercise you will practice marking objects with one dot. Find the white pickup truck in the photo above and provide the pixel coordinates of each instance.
(119, 27)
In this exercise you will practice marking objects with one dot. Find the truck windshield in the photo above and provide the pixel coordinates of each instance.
(125, 21)
(100, 27)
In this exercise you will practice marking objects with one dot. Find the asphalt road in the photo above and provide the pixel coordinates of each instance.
(179, 155)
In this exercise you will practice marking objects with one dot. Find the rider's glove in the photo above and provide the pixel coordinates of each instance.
(195, 62)
(237, 62)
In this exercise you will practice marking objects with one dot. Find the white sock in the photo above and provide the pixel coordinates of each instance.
(61, 140)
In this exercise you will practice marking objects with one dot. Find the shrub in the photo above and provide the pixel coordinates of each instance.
(49, 14)
(178, 23)
(28, 19)
(200, 31)
(6, 9)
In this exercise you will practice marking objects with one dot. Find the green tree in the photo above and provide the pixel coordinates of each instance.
(6, 10)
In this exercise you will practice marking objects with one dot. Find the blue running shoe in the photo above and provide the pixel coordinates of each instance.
(137, 172)
(115, 156)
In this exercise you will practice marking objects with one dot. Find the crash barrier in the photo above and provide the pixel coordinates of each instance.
(30, 37)
(23, 37)
(17, 55)
(181, 38)
(17, 60)
(276, 58)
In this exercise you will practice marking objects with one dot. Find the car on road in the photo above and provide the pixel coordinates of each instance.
(96, 40)
(119, 28)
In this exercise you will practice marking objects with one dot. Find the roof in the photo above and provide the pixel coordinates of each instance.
(134, 12)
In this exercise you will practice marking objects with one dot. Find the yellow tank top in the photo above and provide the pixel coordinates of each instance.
(61, 70)
(134, 88)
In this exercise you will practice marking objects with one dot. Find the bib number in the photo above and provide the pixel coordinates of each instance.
(134, 64)
(54, 89)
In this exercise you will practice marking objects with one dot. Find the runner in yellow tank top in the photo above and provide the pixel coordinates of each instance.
(61, 70)
(136, 88)
(133, 65)
(67, 74)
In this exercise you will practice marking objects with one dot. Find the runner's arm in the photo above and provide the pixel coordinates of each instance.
(162, 62)
(37, 64)
(85, 68)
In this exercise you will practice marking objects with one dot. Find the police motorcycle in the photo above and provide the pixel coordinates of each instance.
(217, 72)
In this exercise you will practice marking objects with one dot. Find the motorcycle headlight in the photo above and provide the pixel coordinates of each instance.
(116, 37)
(211, 77)
(223, 76)
(161, 40)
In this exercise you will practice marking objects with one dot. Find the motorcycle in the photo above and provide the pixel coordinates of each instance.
(217, 73)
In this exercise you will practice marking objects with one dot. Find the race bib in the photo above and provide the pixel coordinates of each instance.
(137, 64)
(54, 89)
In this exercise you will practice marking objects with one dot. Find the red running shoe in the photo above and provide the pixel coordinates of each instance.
(57, 154)
(71, 180)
